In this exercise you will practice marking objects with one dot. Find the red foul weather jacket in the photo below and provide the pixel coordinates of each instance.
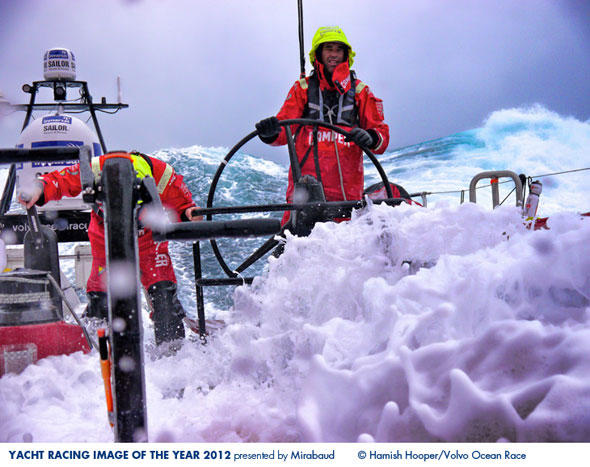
(155, 262)
(331, 145)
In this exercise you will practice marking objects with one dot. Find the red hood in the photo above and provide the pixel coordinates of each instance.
(341, 77)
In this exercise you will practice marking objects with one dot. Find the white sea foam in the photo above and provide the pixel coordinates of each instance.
(339, 342)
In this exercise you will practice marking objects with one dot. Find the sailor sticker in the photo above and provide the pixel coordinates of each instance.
(57, 119)
(56, 123)
(58, 58)
(56, 54)
(65, 64)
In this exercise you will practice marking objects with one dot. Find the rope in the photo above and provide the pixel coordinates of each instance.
(511, 191)
(330, 112)
(559, 173)
(506, 181)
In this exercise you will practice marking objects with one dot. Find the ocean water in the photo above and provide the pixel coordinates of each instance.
(450, 323)
(532, 141)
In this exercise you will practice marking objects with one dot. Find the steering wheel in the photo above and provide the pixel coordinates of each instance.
(296, 172)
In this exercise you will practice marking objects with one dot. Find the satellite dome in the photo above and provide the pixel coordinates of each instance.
(59, 63)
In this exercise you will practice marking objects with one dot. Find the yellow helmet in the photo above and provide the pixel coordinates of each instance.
(330, 34)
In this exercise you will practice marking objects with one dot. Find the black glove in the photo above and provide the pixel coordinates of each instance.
(268, 129)
(360, 137)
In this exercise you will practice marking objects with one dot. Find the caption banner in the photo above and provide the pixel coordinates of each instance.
(292, 454)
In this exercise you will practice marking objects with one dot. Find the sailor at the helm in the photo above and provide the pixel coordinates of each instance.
(334, 95)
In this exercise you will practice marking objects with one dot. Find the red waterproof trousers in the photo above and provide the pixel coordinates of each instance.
(155, 264)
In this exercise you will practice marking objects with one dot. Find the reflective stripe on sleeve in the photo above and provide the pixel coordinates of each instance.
(168, 171)
(376, 148)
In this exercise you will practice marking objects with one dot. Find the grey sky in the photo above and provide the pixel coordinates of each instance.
(203, 71)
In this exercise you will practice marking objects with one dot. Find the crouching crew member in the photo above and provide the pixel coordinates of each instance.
(156, 270)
